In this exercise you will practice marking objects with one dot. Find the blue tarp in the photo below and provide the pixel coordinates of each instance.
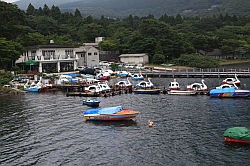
(223, 90)
(73, 75)
(108, 110)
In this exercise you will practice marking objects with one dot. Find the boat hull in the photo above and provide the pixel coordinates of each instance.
(32, 89)
(147, 91)
(233, 140)
(91, 103)
(230, 94)
(119, 116)
(181, 92)
(109, 117)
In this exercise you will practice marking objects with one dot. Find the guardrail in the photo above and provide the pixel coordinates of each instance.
(199, 73)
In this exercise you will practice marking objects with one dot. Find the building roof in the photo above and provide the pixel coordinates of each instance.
(133, 55)
(50, 46)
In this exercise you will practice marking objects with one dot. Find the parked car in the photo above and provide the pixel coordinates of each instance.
(88, 70)
(104, 63)
(139, 66)
(80, 68)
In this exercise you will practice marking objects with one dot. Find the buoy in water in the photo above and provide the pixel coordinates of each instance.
(150, 123)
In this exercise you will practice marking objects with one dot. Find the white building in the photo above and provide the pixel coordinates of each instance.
(56, 58)
(134, 58)
(87, 56)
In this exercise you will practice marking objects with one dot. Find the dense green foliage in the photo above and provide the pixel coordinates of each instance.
(194, 60)
(163, 38)
(5, 78)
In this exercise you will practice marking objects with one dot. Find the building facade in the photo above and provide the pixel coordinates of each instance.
(87, 56)
(134, 58)
(57, 58)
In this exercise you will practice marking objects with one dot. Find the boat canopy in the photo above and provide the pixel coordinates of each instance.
(108, 110)
(241, 133)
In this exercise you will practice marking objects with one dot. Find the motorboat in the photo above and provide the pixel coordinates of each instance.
(174, 85)
(144, 84)
(200, 88)
(227, 90)
(237, 135)
(232, 81)
(123, 84)
(91, 102)
(136, 77)
(109, 114)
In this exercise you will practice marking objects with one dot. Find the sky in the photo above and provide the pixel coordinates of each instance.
(9, 0)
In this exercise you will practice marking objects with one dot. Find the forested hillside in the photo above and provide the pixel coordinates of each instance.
(123, 8)
(163, 38)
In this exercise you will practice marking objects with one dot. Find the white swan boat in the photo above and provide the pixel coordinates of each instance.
(232, 81)
(201, 88)
(144, 84)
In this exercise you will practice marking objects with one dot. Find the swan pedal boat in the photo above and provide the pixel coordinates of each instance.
(109, 114)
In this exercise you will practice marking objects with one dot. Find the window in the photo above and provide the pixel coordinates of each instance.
(95, 53)
(33, 54)
(89, 53)
(48, 54)
(69, 53)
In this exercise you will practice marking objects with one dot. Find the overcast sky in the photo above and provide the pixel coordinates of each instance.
(9, 0)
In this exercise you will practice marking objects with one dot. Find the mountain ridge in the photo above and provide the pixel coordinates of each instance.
(123, 8)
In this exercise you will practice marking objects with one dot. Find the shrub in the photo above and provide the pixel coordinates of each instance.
(199, 61)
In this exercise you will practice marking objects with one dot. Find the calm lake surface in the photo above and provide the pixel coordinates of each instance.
(49, 129)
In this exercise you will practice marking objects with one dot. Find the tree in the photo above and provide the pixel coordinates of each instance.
(78, 13)
(31, 10)
(46, 10)
(9, 53)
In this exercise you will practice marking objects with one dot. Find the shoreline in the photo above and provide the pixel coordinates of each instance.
(234, 62)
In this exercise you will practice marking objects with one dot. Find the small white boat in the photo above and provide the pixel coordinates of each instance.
(123, 84)
(104, 87)
(123, 74)
(93, 89)
(200, 88)
(137, 77)
(174, 85)
(144, 84)
(232, 81)
(33, 87)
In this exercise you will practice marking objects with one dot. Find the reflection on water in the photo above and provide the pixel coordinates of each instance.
(124, 123)
(49, 129)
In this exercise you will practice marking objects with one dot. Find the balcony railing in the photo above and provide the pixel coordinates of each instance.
(52, 57)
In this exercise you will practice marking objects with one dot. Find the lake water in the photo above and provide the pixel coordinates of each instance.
(49, 129)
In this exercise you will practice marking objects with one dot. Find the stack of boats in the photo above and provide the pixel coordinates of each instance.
(229, 88)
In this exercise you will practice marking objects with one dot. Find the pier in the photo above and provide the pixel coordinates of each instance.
(198, 73)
